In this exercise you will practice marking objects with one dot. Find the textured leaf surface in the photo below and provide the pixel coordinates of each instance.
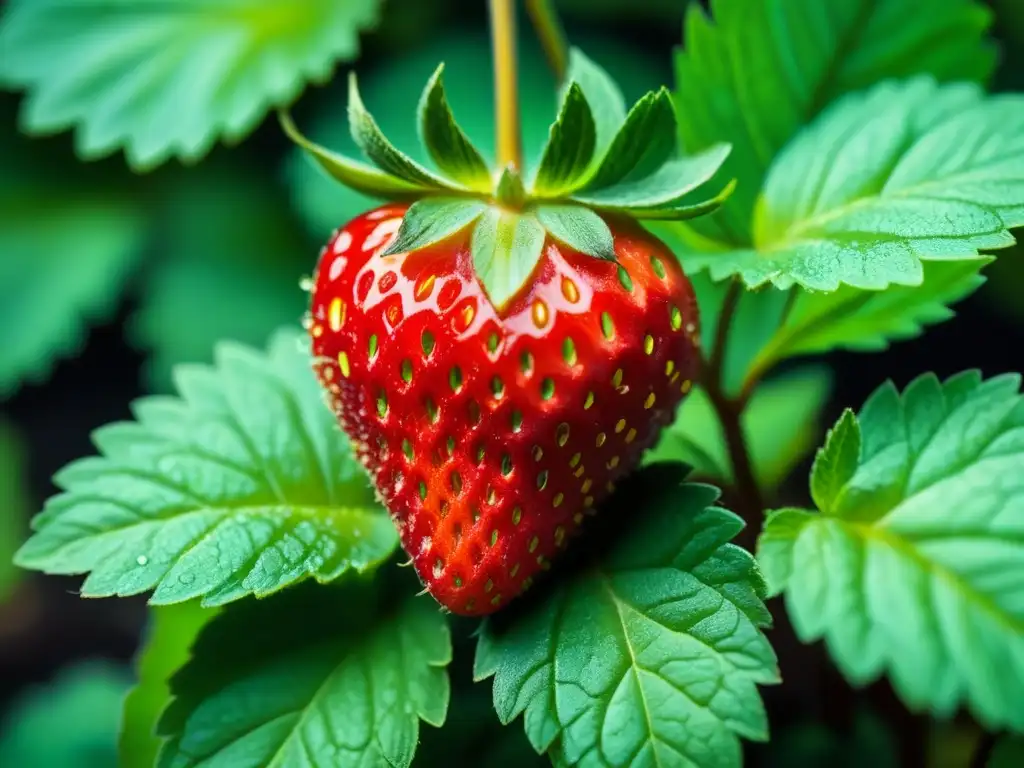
(432, 220)
(579, 228)
(762, 69)
(781, 423)
(338, 682)
(506, 248)
(904, 172)
(570, 148)
(172, 630)
(916, 569)
(222, 275)
(242, 486)
(602, 93)
(449, 147)
(166, 79)
(651, 654)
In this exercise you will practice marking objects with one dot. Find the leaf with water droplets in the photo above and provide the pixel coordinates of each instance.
(242, 485)
(343, 680)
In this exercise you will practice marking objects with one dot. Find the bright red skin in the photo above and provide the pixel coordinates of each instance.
(470, 546)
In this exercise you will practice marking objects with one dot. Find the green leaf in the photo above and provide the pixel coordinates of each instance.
(223, 275)
(343, 681)
(579, 228)
(67, 248)
(450, 148)
(14, 506)
(780, 423)
(905, 172)
(570, 148)
(607, 105)
(432, 220)
(166, 79)
(648, 654)
(325, 205)
(171, 632)
(69, 721)
(859, 320)
(506, 247)
(915, 569)
(763, 69)
(242, 486)
(836, 462)
(371, 140)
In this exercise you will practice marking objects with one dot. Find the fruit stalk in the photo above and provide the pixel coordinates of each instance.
(551, 35)
(506, 86)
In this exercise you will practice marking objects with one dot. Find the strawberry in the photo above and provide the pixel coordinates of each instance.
(490, 433)
(499, 354)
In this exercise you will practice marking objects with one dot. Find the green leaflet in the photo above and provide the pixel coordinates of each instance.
(579, 228)
(168, 642)
(905, 172)
(761, 70)
(182, 74)
(914, 568)
(602, 94)
(506, 248)
(570, 148)
(450, 148)
(242, 486)
(433, 219)
(344, 680)
(836, 461)
(639, 635)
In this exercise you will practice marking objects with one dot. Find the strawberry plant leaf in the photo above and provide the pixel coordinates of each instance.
(836, 462)
(451, 150)
(883, 180)
(14, 506)
(222, 276)
(506, 247)
(241, 486)
(780, 422)
(167, 79)
(760, 70)
(432, 220)
(660, 635)
(343, 679)
(172, 630)
(579, 228)
(570, 148)
(607, 105)
(914, 569)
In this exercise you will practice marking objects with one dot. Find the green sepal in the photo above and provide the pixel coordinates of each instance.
(509, 191)
(449, 147)
(602, 94)
(570, 147)
(375, 145)
(352, 173)
(675, 212)
(579, 228)
(433, 219)
(506, 246)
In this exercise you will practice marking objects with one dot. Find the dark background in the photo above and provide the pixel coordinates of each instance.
(45, 627)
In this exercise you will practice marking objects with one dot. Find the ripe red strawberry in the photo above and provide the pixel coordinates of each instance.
(488, 434)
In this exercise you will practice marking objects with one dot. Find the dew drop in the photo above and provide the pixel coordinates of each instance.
(186, 579)
(141, 559)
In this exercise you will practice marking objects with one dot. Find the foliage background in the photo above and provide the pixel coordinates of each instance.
(192, 254)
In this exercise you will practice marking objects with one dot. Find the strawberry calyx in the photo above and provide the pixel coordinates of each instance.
(599, 160)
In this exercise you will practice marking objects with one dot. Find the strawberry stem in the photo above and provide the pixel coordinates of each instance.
(551, 35)
(506, 86)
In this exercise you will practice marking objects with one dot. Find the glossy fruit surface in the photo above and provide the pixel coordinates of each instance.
(490, 435)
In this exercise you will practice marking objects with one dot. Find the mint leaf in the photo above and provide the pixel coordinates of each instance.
(602, 94)
(14, 505)
(780, 423)
(914, 569)
(836, 461)
(451, 150)
(506, 247)
(648, 654)
(67, 249)
(242, 486)
(432, 220)
(882, 180)
(579, 228)
(166, 79)
(224, 275)
(169, 637)
(570, 148)
(343, 680)
(763, 69)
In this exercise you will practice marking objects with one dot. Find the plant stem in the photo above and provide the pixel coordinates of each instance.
(730, 411)
(506, 87)
(551, 35)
